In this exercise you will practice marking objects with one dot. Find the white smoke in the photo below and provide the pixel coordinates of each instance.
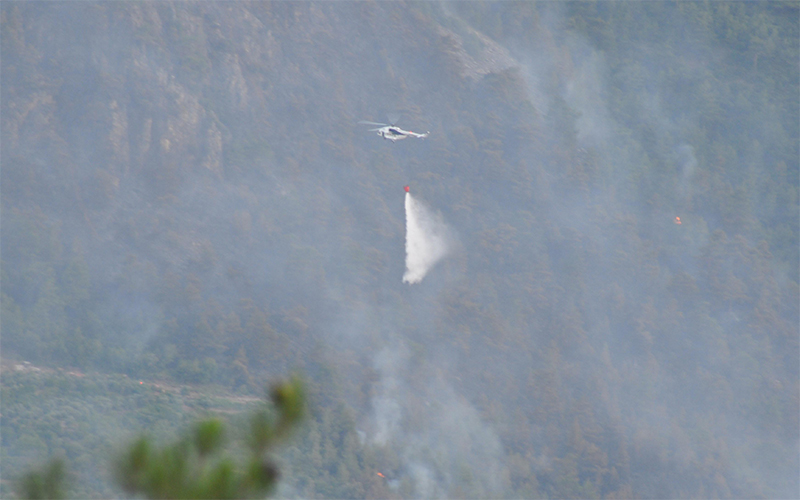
(688, 165)
(386, 409)
(427, 240)
(443, 444)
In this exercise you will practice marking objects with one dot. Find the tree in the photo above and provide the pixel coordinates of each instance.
(45, 484)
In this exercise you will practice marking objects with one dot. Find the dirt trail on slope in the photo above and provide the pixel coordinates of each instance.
(183, 390)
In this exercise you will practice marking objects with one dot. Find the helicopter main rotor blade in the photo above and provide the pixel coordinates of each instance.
(373, 123)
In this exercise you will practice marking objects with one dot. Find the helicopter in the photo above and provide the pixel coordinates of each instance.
(393, 133)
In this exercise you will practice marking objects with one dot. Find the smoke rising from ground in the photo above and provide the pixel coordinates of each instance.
(444, 443)
(427, 240)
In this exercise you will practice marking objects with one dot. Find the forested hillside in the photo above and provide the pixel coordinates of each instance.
(188, 201)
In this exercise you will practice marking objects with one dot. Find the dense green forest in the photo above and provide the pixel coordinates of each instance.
(190, 210)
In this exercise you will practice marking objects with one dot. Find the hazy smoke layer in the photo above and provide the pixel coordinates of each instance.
(426, 240)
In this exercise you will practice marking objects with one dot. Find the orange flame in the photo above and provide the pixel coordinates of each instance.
(677, 220)
(378, 473)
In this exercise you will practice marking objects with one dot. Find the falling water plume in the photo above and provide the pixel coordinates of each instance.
(426, 240)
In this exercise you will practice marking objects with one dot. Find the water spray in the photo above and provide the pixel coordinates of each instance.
(426, 239)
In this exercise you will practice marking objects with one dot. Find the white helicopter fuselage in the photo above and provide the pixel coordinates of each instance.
(392, 133)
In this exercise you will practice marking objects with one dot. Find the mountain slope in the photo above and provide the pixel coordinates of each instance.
(186, 194)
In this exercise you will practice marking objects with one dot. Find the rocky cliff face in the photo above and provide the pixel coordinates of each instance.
(113, 106)
(110, 96)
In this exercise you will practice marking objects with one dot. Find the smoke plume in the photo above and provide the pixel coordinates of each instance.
(426, 240)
